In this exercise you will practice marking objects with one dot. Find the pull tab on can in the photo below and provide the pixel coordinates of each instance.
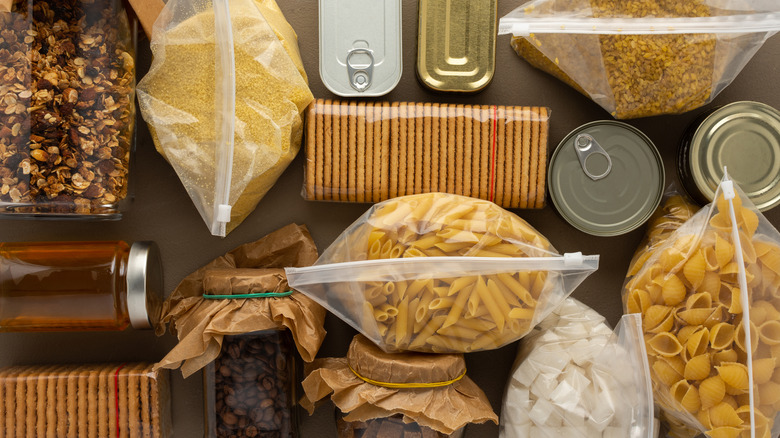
(360, 75)
(586, 145)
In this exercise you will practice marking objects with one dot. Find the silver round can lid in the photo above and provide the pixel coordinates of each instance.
(606, 178)
(144, 285)
(745, 138)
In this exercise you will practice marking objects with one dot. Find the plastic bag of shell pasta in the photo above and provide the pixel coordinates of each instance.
(709, 295)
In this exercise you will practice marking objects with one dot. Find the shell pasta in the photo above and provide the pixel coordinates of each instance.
(685, 283)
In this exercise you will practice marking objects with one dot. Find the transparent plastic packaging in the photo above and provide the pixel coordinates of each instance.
(441, 273)
(127, 400)
(675, 210)
(571, 378)
(67, 113)
(708, 297)
(229, 132)
(642, 58)
(250, 389)
(374, 151)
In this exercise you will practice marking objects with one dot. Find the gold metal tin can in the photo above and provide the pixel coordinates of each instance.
(456, 44)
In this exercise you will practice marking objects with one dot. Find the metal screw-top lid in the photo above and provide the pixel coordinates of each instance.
(606, 178)
(745, 137)
(144, 285)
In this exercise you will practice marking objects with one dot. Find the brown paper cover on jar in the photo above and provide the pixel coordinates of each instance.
(444, 408)
(255, 267)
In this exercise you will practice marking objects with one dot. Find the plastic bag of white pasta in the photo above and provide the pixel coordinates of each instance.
(710, 301)
(574, 377)
(441, 273)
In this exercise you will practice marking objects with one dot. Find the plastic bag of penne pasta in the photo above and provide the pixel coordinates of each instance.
(710, 303)
(570, 379)
(441, 273)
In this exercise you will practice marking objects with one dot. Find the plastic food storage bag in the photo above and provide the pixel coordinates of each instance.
(231, 130)
(709, 300)
(642, 57)
(398, 395)
(575, 377)
(673, 212)
(441, 273)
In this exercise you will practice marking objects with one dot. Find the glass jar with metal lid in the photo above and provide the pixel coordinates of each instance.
(606, 178)
(73, 286)
(743, 137)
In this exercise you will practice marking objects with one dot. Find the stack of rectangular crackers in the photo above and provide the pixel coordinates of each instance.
(370, 152)
(89, 401)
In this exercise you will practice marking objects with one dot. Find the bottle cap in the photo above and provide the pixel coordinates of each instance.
(144, 285)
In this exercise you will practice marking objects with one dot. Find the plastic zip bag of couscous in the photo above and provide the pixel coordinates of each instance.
(639, 58)
(223, 99)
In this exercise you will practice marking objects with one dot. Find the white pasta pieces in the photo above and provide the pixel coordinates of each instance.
(574, 378)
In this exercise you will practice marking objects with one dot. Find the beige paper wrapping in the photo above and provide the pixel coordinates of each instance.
(444, 409)
(251, 268)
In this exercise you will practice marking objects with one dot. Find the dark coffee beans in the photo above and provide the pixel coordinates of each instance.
(254, 384)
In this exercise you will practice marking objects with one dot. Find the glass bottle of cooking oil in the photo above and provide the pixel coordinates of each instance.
(73, 286)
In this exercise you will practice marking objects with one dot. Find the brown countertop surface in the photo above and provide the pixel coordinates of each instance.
(163, 212)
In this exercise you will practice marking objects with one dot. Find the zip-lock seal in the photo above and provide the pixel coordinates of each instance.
(225, 105)
(729, 193)
(746, 23)
(434, 267)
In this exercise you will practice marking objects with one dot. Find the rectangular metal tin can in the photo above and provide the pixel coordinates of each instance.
(360, 46)
(456, 44)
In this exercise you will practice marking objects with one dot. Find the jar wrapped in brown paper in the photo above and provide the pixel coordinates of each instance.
(397, 394)
(238, 318)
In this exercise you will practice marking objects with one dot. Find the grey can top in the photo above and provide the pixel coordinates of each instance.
(606, 178)
(745, 138)
(360, 46)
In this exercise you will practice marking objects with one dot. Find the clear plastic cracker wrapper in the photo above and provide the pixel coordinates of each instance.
(441, 273)
(709, 300)
(374, 151)
(241, 292)
(100, 400)
(643, 57)
(228, 131)
(575, 377)
(430, 394)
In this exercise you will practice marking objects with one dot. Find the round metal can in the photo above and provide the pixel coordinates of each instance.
(743, 137)
(606, 178)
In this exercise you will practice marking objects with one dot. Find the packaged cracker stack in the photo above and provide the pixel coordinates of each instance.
(371, 152)
(123, 400)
